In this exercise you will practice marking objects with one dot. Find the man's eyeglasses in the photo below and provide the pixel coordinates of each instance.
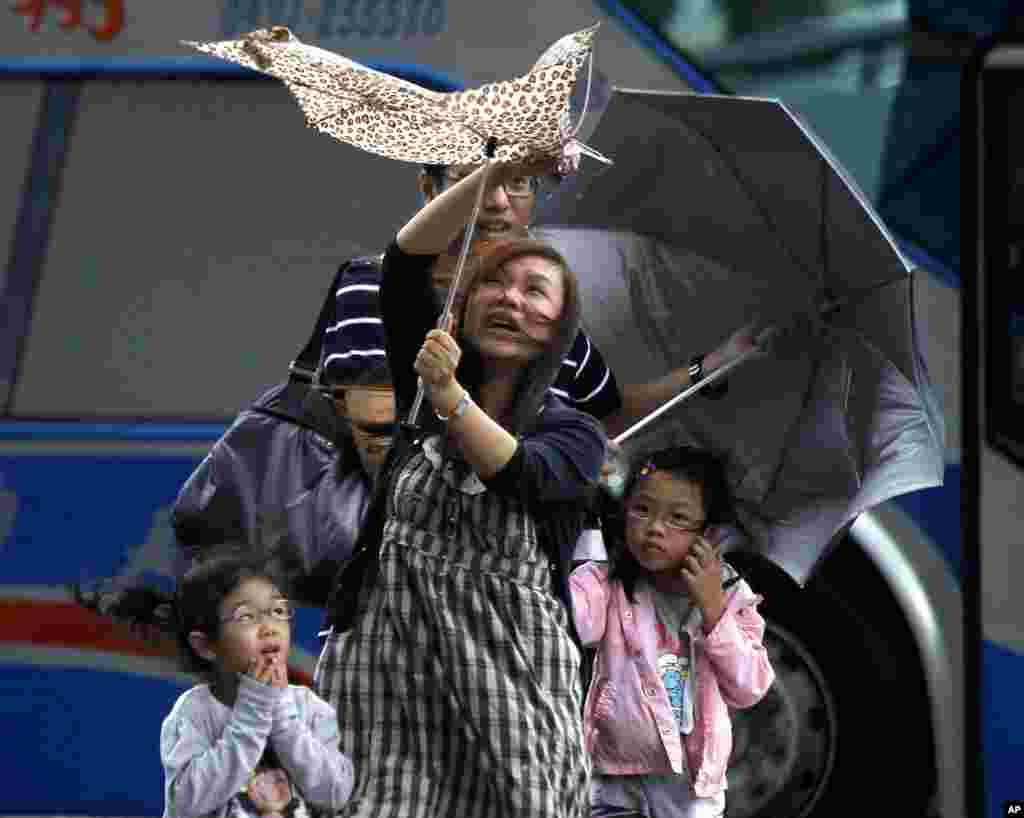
(676, 522)
(279, 611)
(516, 187)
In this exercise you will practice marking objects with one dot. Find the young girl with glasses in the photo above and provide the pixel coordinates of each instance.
(678, 641)
(246, 742)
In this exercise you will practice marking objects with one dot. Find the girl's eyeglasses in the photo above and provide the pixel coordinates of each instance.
(642, 515)
(280, 611)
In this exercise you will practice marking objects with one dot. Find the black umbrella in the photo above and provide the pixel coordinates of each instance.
(723, 210)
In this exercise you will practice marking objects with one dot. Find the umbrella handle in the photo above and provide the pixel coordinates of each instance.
(692, 389)
(449, 304)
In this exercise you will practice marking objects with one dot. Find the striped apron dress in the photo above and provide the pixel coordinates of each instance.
(458, 691)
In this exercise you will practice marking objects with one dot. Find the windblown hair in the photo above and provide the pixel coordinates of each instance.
(480, 248)
(541, 372)
(698, 466)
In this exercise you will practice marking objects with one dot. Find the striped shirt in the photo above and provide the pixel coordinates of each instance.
(356, 339)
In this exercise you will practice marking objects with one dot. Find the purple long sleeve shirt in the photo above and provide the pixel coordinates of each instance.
(209, 750)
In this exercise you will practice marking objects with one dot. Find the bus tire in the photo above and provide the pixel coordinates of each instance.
(847, 724)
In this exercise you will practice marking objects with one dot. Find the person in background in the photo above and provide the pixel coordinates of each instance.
(584, 380)
(365, 403)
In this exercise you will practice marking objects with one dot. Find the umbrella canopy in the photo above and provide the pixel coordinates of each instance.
(724, 209)
(530, 117)
(526, 117)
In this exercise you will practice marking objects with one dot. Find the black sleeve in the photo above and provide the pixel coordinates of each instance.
(557, 463)
(409, 313)
(585, 382)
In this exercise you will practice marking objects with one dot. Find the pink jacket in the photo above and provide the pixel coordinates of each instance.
(628, 724)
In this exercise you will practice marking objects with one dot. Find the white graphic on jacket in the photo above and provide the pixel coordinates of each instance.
(674, 670)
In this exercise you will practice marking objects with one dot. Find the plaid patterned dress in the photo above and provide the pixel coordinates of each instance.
(458, 692)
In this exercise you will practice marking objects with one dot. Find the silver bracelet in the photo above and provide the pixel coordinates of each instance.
(696, 369)
(459, 410)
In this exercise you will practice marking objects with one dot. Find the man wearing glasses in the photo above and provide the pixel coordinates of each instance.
(584, 381)
(357, 339)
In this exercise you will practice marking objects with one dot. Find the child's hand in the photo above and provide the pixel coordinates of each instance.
(271, 670)
(702, 573)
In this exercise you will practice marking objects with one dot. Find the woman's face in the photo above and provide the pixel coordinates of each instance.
(513, 312)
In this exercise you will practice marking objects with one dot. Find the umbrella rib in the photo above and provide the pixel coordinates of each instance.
(469, 128)
(776, 234)
(773, 229)
(355, 98)
(833, 301)
(342, 95)
(823, 232)
(774, 481)
(742, 182)
(853, 296)
(332, 94)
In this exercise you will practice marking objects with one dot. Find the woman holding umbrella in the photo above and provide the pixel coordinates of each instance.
(458, 686)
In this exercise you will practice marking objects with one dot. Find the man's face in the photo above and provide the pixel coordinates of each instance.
(507, 207)
(371, 415)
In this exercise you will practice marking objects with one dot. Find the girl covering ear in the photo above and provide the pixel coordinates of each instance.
(678, 640)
